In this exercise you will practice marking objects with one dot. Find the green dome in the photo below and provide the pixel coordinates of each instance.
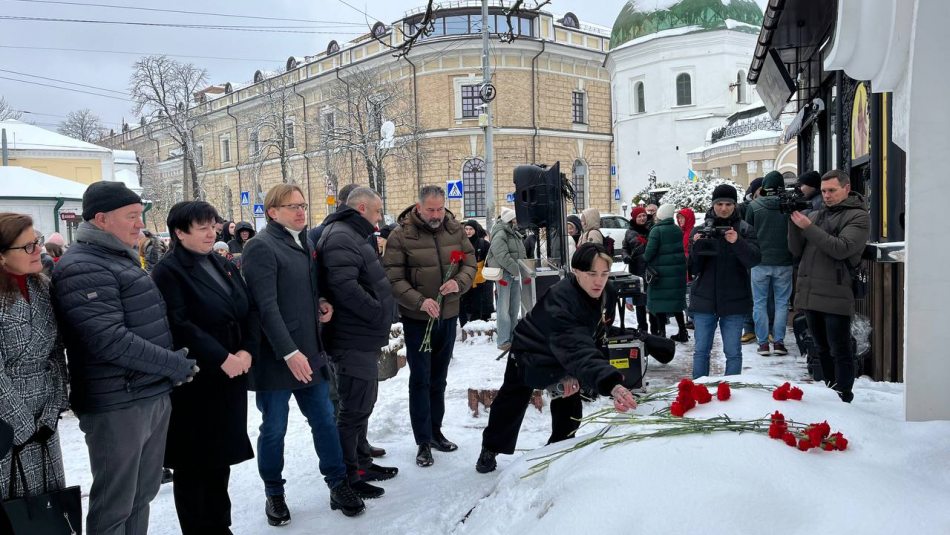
(644, 17)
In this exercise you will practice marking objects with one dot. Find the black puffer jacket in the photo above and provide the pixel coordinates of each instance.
(721, 281)
(114, 325)
(634, 245)
(236, 245)
(355, 283)
(559, 335)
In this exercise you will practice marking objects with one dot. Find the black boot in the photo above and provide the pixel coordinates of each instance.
(343, 498)
(681, 336)
(378, 473)
(366, 491)
(276, 510)
(486, 462)
(441, 443)
(424, 455)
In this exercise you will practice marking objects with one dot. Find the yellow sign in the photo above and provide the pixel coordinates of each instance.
(621, 364)
(331, 200)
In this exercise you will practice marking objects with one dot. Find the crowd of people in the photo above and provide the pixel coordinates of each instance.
(155, 347)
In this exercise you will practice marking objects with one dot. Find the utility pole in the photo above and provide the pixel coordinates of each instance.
(489, 146)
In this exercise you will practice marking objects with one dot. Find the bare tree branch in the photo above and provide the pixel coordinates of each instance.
(83, 125)
(8, 112)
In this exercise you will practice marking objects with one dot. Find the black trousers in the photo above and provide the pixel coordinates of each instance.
(202, 501)
(832, 338)
(357, 399)
(508, 408)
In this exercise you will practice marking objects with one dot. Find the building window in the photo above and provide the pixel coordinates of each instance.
(580, 117)
(471, 102)
(225, 149)
(253, 142)
(473, 178)
(289, 134)
(375, 117)
(579, 181)
(684, 90)
(329, 122)
(741, 88)
(199, 156)
(641, 98)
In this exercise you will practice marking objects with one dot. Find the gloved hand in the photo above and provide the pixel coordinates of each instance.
(189, 371)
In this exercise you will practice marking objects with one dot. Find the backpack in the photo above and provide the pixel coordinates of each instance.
(608, 244)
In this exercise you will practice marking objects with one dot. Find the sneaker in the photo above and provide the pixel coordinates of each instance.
(682, 337)
(764, 350)
(440, 443)
(378, 473)
(424, 455)
(276, 510)
(376, 452)
(366, 491)
(778, 348)
(747, 338)
(486, 462)
(343, 497)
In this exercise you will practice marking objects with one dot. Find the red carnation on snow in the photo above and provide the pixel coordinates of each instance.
(723, 392)
(701, 394)
(778, 417)
(781, 393)
(795, 393)
(676, 409)
(789, 439)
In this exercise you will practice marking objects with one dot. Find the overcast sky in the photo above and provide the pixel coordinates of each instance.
(83, 61)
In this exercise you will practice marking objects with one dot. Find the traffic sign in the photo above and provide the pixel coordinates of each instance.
(455, 189)
(510, 197)
(258, 210)
(245, 198)
(487, 93)
(617, 194)
(613, 170)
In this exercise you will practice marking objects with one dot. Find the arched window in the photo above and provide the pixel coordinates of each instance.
(473, 177)
(641, 106)
(579, 181)
(740, 87)
(684, 90)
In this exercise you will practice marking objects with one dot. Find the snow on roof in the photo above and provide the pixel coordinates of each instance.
(732, 24)
(23, 136)
(124, 156)
(662, 33)
(751, 136)
(22, 182)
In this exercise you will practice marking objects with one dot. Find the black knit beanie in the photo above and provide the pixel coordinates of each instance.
(725, 192)
(106, 196)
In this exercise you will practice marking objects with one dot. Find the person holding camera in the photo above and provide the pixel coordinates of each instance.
(829, 243)
(721, 254)
(557, 344)
(772, 279)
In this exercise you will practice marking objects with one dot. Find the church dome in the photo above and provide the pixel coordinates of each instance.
(641, 18)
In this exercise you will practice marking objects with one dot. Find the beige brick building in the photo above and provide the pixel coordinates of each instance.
(553, 104)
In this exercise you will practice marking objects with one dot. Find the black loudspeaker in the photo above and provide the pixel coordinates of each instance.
(537, 195)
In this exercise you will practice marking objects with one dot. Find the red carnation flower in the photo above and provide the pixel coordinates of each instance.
(825, 429)
(457, 257)
(804, 444)
(777, 431)
(723, 392)
(676, 409)
(789, 439)
(827, 446)
(780, 395)
(685, 385)
(814, 434)
(701, 394)
(839, 441)
(795, 393)
(778, 417)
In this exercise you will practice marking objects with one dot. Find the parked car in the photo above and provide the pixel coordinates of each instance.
(615, 226)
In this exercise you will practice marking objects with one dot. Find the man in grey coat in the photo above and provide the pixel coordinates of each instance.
(830, 242)
(121, 361)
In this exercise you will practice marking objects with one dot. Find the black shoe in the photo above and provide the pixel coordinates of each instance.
(366, 491)
(378, 473)
(276, 511)
(424, 455)
(376, 452)
(441, 443)
(690, 325)
(682, 337)
(343, 497)
(486, 462)
(167, 475)
(846, 397)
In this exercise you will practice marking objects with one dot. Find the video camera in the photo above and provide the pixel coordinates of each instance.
(792, 200)
(709, 231)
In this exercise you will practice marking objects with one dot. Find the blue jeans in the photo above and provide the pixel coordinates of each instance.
(508, 308)
(778, 280)
(730, 327)
(314, 403)
(427, 375)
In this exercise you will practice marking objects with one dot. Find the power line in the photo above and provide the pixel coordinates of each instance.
(64, 88)
(228, 15)
(358, 10)
(133, 53)
(64, 82)
(259, 29)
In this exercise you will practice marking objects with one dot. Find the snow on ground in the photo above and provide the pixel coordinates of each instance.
(892, 478)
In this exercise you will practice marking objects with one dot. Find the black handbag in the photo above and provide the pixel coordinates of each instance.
(651, 275)
(57, 512)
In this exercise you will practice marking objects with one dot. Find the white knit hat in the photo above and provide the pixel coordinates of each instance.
(507, 214)
(665, 212)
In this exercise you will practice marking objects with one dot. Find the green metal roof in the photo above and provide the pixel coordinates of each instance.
(640, 18)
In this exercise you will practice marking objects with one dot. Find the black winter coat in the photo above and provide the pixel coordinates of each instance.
(236, 244)
(114, 325)
(559, 336)
(282, 280)
(357, 287)
(721, 281)
(634, 245)
(209, 415)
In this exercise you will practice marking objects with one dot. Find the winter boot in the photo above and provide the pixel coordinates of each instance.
(681, 337)
(366, 491)
(343, 498)
(378, 473)
(486, 462)
(424, 455)
(276, 510)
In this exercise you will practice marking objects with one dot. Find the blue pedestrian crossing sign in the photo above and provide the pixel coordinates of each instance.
(245, 198)
(510, 197)
(454, 189)
(617, 194)
(258, 210)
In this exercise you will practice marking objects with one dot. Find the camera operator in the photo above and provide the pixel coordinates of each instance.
(772, 277)
(721, 254)
(809, 183)
(557, 342)
(829, 242)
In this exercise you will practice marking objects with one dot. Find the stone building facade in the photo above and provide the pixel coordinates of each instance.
(553, 104)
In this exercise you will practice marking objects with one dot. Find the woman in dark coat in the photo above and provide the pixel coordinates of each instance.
(477, 303)
(634, 245)
(664, 253)
(210, 313)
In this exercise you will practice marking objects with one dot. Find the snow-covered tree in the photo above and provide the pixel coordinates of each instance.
(83, 125)
(7, 111)
(696, 195)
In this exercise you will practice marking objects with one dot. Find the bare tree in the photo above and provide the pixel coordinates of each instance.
(83, 125)
(8, 112)
(161, 190)
(272, 127)
(166, 88)
(372, 117)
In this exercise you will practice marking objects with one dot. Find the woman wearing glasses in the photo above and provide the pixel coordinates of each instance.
(32, 363)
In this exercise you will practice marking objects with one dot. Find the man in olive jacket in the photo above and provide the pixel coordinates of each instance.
(829, 242)
(417, 261)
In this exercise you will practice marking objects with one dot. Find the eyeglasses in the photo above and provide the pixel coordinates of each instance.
(303, 206)
(29, 248)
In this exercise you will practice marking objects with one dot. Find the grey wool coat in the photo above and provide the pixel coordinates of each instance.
(32, 383)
